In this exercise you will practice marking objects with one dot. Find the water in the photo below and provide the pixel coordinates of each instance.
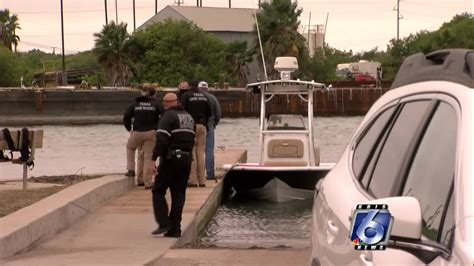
(248, 223)
(237, 223)
(101, 148)
(75, 149)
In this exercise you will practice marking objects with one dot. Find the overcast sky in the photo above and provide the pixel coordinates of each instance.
(353, 24)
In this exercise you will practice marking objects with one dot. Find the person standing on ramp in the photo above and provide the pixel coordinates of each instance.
(174, 144)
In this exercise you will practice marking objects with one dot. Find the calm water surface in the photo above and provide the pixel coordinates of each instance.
(101, 148)
(246, 223)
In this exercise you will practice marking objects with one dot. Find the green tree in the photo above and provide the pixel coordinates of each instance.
(10, 69)
(9, 25)
(83, 60)
(457, 33)
(111, 48)
(278, 23)
(238, 57)
(167, 52)
(324, 62)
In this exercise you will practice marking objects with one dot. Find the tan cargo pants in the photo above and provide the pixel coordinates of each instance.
(198, 166)
(144, 142)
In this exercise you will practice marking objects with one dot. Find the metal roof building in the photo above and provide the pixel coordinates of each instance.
(228, 24)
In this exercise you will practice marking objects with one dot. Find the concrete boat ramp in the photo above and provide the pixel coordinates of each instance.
(108, 221)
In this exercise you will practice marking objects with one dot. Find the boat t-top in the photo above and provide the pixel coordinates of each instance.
(289, 163)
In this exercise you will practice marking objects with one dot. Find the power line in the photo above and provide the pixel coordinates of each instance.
(353, 12)
(46, 35)
(346, 2)
(38, 45)
(78, 11)
(440, 4)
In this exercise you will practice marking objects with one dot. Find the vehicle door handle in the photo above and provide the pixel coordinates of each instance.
(365, 260)
(332, 227)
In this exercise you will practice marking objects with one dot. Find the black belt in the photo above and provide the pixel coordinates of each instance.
(178, 153)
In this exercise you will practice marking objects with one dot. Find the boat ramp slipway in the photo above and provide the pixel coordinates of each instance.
(107, 221)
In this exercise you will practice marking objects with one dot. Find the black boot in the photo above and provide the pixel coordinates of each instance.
(173, 233)
(160, 230)
(130, 173)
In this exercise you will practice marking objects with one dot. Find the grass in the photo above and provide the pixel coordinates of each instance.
(13, 200)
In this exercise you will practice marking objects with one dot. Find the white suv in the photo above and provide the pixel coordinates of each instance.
(413, 152)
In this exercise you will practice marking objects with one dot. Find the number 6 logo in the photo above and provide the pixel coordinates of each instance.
(368, 223)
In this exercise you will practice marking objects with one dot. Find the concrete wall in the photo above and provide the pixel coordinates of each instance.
(234, 102)
(63, 102)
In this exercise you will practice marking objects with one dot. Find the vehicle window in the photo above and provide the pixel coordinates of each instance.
(367, 144)
(432, 171)
(448, 227)
(395, 149)
(370, 167)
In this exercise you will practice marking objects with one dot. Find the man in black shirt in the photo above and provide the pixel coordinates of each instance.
(145, 112)
(174, 143)
(199, 107)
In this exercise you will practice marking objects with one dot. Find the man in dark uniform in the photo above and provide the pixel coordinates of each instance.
(174, 144)
(183, 87)
(199, 107)
(145, 112)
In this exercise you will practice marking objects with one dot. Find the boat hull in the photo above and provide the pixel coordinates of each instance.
(278, 191)
(276, 184)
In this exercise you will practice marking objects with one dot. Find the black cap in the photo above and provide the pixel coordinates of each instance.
(193, 84)
(150, 90)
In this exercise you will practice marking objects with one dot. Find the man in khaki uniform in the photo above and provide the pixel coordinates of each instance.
(198, 106)
(145, 112)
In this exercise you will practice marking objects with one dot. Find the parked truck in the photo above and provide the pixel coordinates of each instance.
(360, 71)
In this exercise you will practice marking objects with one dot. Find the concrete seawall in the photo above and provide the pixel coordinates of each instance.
(30, 104)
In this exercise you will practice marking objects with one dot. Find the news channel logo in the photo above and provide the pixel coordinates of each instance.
(371, 227)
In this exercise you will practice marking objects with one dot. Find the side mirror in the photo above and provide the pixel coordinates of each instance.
(406, 212)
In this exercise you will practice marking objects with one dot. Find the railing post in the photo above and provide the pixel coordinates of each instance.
(25, 176)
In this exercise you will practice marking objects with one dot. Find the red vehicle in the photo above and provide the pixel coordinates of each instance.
(363, 78)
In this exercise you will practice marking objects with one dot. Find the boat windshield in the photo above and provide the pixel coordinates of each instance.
(285, 122)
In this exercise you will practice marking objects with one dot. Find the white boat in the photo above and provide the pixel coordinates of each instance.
(289, 165)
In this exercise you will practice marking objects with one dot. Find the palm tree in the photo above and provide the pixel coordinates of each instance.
(238, 57)
(8, 26)
(111, 47)
(278, 23)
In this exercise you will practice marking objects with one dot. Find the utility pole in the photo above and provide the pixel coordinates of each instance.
(325, 27)
(62, 37)
(398, 19)
(116, 13)
(106, 19)
(230, 3)
(309, 28)
(197, 3)
(134, 28)
(156, 7)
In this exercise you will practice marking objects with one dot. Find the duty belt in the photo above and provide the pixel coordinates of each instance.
(177, 153)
